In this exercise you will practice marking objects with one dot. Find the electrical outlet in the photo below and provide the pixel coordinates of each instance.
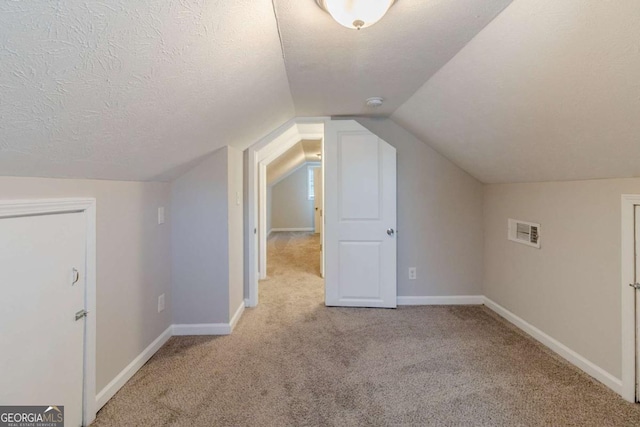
(161, 303)
(412, 273)
(160, 215)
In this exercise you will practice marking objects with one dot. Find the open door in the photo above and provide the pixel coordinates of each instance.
(360, 217)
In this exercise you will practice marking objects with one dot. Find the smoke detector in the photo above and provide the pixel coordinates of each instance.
(374, 102)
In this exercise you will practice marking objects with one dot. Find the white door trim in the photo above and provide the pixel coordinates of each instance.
(629, 201)
(18, 208)
(259, 155)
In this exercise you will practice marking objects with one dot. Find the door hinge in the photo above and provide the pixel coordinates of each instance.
(81, 314)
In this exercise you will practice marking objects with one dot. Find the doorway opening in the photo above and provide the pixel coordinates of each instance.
(259, 156)
(359, 204)
(294, 227)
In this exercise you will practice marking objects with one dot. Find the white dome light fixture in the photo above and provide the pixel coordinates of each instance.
(356, 14)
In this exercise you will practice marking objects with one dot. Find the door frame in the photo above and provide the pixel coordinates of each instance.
(629, 312)
(258, 156)
(20, 208)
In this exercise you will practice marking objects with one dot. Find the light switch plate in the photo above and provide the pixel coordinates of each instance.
(160, 215)
(161, 303)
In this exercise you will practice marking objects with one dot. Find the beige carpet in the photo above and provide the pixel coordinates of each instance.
(293, 362)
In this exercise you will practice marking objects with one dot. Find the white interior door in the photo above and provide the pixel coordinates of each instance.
(41, 362)
(360, 217)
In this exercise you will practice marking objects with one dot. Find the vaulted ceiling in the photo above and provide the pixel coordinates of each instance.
(518, 90)
(549, 91)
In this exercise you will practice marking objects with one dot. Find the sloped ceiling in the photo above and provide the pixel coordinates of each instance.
(312, 149)
(527, 90)
(132, 89)
(303, 152)
(550, 90)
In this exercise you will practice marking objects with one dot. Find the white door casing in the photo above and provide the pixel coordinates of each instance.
(360, 217)
(43, 260)
(262, 223)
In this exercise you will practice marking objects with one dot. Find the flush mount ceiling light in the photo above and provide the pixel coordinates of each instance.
(356, 14)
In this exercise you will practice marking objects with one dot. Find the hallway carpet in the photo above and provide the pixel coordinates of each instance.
(294, 362)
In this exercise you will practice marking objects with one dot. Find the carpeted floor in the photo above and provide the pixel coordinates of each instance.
(293, 362)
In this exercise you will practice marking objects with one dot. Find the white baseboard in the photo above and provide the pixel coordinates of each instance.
(442, 300)
(210, 328)
(116, 384)
(237, 315)
(202, 329)
(196, 329)
(273, 230)
(571, 356)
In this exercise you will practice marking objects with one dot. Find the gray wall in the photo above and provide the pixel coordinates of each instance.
(439, 218)
(207, 240)
(133, 261)
(290, 207)
(199, 246)
(570, 288)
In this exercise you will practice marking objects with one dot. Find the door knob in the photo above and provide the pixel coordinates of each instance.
(390, 232)
(635, 285)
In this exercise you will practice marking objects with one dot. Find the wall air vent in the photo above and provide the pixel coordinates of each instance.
(527, 233)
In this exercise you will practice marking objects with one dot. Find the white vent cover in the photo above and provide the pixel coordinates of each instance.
(527, 233)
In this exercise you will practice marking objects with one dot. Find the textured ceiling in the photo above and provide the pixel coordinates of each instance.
(529, 90)
(132, 89)
(332, 70)
(550, 90)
